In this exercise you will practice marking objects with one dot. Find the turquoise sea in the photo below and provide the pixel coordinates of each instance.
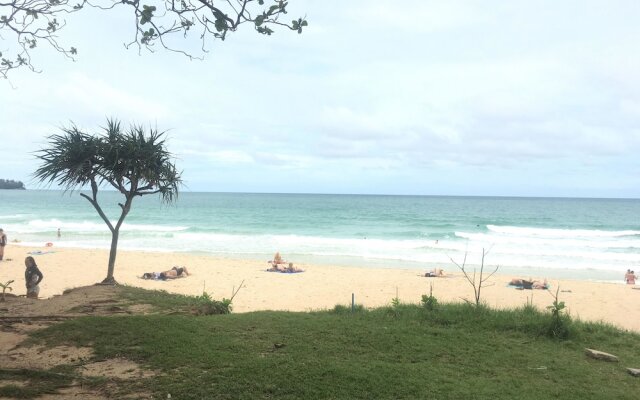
(554, 237)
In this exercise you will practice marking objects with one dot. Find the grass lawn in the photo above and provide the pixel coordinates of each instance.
(401, 352)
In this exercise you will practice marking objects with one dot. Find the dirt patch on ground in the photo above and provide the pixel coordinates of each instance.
(140, 309)
(94, 300)
(8, 382)
(38, 357)
(9, 340)
(19, 316)
(74, 392)
(79, 392)
(118, 368)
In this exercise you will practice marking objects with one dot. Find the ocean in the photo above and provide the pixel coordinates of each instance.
(591, 239)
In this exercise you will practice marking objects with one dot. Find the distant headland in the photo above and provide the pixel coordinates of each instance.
(11, 184)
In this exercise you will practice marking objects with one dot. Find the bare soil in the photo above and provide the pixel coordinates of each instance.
(19, 316)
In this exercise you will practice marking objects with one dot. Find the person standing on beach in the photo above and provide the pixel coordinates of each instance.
(59, 234)
(630, 277)
(3, 242)
(32, 278)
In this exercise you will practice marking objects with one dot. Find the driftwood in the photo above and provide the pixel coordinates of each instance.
(600, 355)
(634, 371)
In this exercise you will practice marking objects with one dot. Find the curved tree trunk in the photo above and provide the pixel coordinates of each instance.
(110, 280)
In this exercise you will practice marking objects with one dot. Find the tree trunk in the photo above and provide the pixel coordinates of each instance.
(110, 280)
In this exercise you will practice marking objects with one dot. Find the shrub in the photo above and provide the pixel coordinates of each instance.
(429, 302)
(5, 287)
(560, 324)
(206, 305)
(342, 309)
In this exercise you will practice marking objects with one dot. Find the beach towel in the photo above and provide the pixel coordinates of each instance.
(284, 272)
(40, 252)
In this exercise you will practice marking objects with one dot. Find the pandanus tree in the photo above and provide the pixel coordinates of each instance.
(134, 162)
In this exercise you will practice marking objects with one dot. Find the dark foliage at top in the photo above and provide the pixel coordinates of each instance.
(27, 24)
(132, 162)
(11, 184)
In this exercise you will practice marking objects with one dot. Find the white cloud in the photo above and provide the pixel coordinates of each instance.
(393, 95)
(423, 16)
(96, 97)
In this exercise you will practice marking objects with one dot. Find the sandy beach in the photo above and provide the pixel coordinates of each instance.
(319, 287)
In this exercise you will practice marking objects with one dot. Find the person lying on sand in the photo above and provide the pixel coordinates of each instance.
(529, 284)
(278, 264)
(435, 273)
(173, 273)
(540, 285)
(284, 268)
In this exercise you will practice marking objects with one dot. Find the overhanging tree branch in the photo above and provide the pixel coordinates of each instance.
(25, 24)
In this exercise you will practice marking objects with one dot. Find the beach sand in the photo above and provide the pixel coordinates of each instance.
(319, 287)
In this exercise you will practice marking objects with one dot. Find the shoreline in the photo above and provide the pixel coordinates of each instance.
(319, 287)
(589, 275)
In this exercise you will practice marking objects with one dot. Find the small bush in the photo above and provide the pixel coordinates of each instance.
(5, 287)
(429, 302)
(394, 310)
(342, 309)
(206, 305)
(560, 325)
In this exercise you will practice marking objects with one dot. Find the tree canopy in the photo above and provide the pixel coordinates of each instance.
(11, 184)
(133, 162)
(27, 24)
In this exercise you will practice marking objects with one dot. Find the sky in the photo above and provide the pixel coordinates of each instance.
(423, 97)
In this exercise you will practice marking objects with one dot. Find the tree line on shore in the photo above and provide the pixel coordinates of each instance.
(11, 184)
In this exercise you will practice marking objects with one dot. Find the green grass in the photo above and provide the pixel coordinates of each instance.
(163, 301)
(36, 383)
(401, 352)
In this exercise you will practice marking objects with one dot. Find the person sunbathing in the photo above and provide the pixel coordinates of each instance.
(435, 273)
(540, 285)
(283, 268)
(291, 269)
(277, 259)
(173, 273)
(278, 263)
(529, 284)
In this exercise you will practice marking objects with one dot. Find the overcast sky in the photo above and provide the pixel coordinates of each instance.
(511, 98)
